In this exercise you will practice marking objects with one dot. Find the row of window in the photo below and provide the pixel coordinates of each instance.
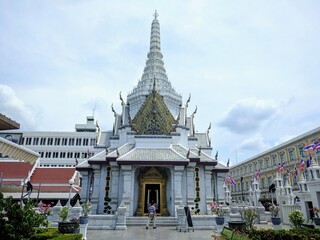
(66, 154)
(57, 165)
(57, 141)
(262, 183)
(268, 162)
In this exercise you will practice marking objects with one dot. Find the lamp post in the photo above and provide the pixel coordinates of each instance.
(71, 182)
(242, 190)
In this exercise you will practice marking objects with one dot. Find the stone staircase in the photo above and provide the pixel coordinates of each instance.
(160, 221)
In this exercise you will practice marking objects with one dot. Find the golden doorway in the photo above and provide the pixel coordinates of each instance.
(152, 188)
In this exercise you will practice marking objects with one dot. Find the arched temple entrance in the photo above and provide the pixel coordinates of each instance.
(152, 188)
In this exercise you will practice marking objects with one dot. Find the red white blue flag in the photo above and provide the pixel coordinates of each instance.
(281, 166)
(308, 147)
(295, 171)
(309, 161)
(288, 174)
(258, 174)
(301, 164)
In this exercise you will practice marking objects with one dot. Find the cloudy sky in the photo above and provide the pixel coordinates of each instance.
(252, 67)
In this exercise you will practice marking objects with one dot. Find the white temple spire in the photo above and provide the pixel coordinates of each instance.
(154, 69)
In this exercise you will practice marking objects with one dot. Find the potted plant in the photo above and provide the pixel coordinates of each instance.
(220, 212)
(296, 218)
(86, 208)
(275, 219)
(316, 218)
(66, 226)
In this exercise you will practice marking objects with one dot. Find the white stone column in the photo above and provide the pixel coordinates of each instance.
(114, 188)
(190, 185)
(177, 185)
(127, 190)
(85, 188)
(279, 187)
(96, 188)
(83, 230)
(208, 186)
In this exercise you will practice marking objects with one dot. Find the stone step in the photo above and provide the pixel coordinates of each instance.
(160, 221)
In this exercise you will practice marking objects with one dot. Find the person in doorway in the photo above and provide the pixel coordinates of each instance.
(151, 215)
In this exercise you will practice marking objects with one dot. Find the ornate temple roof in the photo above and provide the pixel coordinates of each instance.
(154, 68)
(154, 117)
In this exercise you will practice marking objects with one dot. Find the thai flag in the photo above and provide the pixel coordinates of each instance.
(308, 147)
(301, 163)
(258, 174)
(288, 174)
(281, 166)
(232, 181)
(295, 171)
(316, 146)
(309, 161)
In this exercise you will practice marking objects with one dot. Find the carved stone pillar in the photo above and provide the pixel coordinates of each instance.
(126, 170)
(177, 185)
(190, 184)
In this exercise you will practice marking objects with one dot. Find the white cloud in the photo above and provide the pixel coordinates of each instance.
(248, 115)
(14, 108)
(253, 143)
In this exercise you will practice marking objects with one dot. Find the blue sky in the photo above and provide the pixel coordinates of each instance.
(252, 67)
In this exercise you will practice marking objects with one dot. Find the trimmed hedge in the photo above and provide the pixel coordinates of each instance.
(54, 234)
(291, 234)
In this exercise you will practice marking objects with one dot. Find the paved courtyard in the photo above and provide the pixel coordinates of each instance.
(160, 233)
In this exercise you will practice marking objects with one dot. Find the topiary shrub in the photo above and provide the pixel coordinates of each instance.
(296, 218)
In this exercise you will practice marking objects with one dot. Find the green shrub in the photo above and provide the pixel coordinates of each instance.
(68, 236)
(18, 222)
(45, 233)
(296, 218)
(53, 234)
(292, 234)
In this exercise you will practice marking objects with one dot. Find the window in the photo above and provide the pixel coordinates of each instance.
(50, 141)
(263, 183)
(301, 151)
(62, 155)
(274, 160)
(71, 141)
(85, 142)
(267, 163)
(261, 164)
(245, 169)
(28, 141)
(92, 142)
(48, 154)
(43, 141)
(55, 154)
(35, 141)
(269, 181)
(281, 157)
(64, 141)
(255, 166)
(77, 155)
(250, 168)
(57, 141)
(78, 142)
(69, 154)
(291, 155)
